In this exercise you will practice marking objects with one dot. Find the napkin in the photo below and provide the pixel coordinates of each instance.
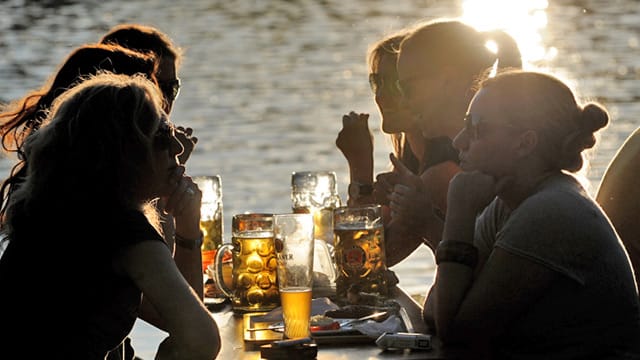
(374, 329)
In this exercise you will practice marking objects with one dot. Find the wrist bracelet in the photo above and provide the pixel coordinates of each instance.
(457, 251)
(188, 243)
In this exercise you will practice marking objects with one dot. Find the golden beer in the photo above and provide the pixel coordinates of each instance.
(254, 273)
(360, 258)
(296, 307)
(322, 221)
(211, 233)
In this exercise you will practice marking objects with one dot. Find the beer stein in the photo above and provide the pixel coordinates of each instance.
(210, 216)
(254, 285)
(316, 193)
(360, 251)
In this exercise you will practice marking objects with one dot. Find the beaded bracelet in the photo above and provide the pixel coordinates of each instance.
(457, 251)
(188, 243)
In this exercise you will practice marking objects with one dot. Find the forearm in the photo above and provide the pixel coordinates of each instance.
(189, 260)
(399, 243)
(360, 174)
(453, 276)
(452, 282)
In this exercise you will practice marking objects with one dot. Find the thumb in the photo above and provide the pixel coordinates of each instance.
(398, 166)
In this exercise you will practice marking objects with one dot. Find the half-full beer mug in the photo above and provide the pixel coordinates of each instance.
(254, 264)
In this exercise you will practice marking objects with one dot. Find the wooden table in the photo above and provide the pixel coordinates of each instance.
(233, 346)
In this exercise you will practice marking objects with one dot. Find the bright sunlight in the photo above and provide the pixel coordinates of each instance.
(522, 19)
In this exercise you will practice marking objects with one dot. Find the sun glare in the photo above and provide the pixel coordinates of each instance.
(522, 19)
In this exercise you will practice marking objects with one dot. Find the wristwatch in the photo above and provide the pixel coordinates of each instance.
(190, 244)
(358, 190)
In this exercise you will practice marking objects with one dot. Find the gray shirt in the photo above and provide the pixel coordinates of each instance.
(595, 312)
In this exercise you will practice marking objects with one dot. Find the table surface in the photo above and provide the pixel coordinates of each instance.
(234, 347)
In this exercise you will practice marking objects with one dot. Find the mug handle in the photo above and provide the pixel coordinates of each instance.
(217, 276)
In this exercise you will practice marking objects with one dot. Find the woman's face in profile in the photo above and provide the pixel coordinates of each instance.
(165, 149)
(395, 116)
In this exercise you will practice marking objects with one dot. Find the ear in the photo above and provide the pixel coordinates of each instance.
(527, 143)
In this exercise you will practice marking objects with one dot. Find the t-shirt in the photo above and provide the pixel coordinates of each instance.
(58, 282)
(560, 227)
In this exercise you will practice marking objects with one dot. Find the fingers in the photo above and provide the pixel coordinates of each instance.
(188, 132)
(185, 199)
(399, 166)
(384, 184)
(355, 119)
(188, 141)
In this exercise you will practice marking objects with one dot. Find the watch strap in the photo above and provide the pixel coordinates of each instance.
(190, 244)
(357, 189)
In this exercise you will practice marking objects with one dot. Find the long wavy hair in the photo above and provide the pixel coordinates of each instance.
(97, 144)
(24, 116)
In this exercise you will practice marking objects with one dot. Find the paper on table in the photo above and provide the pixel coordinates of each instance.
(374, 329)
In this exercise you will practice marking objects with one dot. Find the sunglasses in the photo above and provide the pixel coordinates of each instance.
(472, 126)
(170, 89)
(376, 83)
(405, 87)
(164, 136)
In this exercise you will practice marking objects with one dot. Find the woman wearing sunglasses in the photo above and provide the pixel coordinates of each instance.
(438, 62)
(355, 139)
(557, 283)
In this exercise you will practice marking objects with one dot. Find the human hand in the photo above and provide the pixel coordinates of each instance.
(383, 187)
(184, 203)
(436, 181)
(470, 192)
(188, 141)
(355, 140)
(410, 203)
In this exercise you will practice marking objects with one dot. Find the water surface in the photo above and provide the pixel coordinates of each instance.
(265, 83)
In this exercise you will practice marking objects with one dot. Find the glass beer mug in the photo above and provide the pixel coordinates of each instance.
(316, 193)
(210, 216)
(360, 251)
(254, 285)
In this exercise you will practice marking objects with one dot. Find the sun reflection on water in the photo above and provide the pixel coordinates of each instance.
(525, 20)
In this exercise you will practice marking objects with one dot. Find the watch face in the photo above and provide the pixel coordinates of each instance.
(358, 190)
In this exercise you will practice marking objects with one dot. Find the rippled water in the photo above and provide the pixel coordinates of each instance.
(265, 83)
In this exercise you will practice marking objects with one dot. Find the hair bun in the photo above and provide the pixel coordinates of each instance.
(593, 117)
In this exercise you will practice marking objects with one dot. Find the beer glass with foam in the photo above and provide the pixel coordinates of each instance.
(294, 241)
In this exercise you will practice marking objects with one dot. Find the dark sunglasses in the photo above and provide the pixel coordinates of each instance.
(472, 127)
(164, 136)
(403, 87)
(170, 89)
(376, 82)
